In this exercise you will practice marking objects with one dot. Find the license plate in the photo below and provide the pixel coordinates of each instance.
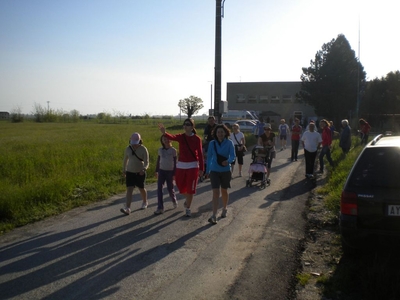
(394, 210)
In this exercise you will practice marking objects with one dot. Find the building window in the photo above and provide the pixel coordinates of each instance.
(240, 98)
(263, 99)
(252, 99)
(286, 99)
(275, 99)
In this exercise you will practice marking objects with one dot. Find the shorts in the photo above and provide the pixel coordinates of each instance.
(135, 179)
(282, 137)
(186, 180)
(220, 179)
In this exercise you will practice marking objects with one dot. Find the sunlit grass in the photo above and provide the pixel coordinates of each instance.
(48, 168)
(337, 177)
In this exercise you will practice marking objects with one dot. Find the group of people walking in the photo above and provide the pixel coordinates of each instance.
(216, 156)
(185, 169)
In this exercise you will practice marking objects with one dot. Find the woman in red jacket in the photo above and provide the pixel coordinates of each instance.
(190, 163)
(326, 144)
(364, 131)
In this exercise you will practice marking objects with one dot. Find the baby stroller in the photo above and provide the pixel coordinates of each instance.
(258, 167)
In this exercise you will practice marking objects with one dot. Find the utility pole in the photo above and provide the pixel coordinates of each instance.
(48, 106)
(217, 69)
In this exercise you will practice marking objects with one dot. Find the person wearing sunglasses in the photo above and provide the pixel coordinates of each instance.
(190, 163)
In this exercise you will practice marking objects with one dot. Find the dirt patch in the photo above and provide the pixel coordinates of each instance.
(322, 251)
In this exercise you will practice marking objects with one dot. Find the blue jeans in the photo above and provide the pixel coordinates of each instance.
(325, 151)
(165, 176)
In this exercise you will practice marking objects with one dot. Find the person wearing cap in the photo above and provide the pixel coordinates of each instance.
(267, 140)
(134, 166)
(190, 163)
(311, 140)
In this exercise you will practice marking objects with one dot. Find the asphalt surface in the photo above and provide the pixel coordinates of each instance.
(95, 252)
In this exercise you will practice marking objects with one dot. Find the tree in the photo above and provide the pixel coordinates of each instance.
(191, 105)
(333, 82)
(382, 98)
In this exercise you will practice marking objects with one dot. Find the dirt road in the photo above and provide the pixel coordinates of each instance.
(95, 252)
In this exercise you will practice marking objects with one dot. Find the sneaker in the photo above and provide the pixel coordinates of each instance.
(213, 220)
(188, 212)
(125, 211)
(159, 212)
(175, 204)
(224, 212)
(240, 174)
(144, 205)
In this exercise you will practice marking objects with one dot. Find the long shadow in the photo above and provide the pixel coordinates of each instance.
(80, 251)
(99, 280)
(293, 190)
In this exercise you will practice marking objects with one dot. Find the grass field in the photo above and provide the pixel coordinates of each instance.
(49, 168)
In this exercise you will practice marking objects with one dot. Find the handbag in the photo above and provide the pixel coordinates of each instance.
(244, 149)
(220, 158)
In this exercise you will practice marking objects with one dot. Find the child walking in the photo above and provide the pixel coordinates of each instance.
(165, 172)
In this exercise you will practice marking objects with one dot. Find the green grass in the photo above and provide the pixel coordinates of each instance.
(49, 168)
(337, 177)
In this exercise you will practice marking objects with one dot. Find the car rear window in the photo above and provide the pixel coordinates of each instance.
(377, 167)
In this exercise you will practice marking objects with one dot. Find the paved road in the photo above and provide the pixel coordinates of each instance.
(95, 252)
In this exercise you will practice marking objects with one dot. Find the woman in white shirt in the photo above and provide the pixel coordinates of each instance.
(239, 142)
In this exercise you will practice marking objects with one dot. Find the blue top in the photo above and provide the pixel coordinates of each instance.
(260, 128)
(226, 149)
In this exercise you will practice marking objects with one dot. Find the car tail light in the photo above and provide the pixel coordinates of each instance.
(348, 203)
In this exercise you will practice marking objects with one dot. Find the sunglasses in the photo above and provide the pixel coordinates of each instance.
(187, 124)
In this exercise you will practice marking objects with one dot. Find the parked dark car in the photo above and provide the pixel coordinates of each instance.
(370, 201)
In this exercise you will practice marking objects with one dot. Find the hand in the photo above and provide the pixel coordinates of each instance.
(161, 127)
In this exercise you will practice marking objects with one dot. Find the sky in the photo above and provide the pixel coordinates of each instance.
(141, 57)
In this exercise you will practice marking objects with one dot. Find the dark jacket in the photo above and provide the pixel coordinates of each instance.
(345, 138)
